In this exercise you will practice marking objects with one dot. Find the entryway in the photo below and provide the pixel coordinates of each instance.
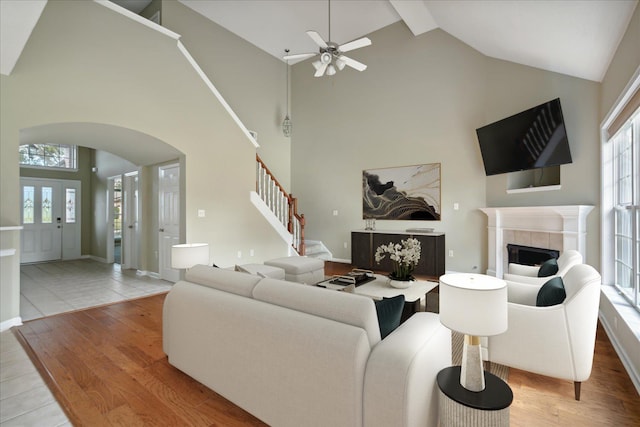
(50, 211)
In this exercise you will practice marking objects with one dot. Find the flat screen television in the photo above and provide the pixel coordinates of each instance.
(535, 138)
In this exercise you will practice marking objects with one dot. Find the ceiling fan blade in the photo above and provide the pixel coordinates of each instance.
(298, 56)
(364, 41)
(320, 70)
(316, 38)
(353, 63)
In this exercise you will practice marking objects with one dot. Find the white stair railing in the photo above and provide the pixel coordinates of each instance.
(283, 205)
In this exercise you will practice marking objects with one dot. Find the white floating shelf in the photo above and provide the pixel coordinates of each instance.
(534, 189)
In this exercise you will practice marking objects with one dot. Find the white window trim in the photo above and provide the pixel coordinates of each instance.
(74, 160)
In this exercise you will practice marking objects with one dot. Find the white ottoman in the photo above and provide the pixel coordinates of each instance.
(300, 269)
(262, 270)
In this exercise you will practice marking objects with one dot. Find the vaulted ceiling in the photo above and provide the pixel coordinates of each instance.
(574, 37)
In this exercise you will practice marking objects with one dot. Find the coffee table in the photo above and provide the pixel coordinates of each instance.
(380, 288)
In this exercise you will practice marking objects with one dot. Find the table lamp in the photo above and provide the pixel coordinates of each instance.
(189, 254)
(474, 305)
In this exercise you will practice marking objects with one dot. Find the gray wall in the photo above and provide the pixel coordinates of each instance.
(420, 101)
(251, 81)
(104, 68)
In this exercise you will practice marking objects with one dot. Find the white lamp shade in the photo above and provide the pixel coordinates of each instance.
(189, 254)
(473, 304)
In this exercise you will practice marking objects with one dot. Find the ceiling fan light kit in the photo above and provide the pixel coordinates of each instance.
(331, 53)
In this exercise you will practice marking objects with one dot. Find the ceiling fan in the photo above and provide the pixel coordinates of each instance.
(331, 54)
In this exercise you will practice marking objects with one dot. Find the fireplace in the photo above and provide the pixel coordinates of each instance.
(529, 255)
(556, 228)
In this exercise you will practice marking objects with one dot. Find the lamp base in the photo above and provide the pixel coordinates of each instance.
(472, 371)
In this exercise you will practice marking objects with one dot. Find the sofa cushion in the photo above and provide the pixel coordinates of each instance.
(389, 314)
(551, 293)
(224, 280)
(548, 268)
(297, 264)
(352, 309)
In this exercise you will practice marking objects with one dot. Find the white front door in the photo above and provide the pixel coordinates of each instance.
(169, 220)
(51, 219)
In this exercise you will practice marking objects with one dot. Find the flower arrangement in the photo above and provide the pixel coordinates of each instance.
(404, 255)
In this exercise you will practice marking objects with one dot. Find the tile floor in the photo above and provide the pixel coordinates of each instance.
(47, 289)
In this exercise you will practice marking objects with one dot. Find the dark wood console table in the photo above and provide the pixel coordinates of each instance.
(365, 242)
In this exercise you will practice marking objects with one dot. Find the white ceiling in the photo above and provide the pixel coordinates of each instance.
(574, 37)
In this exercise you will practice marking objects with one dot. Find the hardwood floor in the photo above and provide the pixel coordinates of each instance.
(105, 366)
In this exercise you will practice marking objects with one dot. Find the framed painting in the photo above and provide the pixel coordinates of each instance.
(402, 193)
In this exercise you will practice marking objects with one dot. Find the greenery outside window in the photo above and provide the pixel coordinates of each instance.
(626, 182)
(54, 156)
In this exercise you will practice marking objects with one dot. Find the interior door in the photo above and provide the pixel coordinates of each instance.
(169, 220)
(130, 229)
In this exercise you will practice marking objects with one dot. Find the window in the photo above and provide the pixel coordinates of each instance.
(56, 156)
(70, 205)
(626, 187)
(47, 199)
(28, 206)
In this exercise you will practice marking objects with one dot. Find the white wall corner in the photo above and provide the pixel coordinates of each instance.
(8, 324)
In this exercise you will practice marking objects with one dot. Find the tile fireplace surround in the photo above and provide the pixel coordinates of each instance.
(549, 227)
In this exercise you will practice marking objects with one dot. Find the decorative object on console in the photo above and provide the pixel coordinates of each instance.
(185, 256)
(402, 193)
(405, 256)
(370, 224)
(475, 305)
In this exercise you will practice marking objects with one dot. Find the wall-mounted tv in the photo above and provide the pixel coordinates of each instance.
(535, 138)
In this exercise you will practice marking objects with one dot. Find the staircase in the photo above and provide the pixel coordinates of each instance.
(280, 204)
(317, 249)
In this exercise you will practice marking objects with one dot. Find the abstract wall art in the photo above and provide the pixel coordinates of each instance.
(402, 193)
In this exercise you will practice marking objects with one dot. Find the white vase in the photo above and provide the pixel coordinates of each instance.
(400, 284)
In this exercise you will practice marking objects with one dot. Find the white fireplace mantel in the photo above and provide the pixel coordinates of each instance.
(567, 222)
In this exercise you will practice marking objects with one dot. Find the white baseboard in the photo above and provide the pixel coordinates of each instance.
(342, 260)
(148, 273)
(622, 354)
(95, 258)
(7, 324)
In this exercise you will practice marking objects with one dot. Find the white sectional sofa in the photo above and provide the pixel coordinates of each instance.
(298, 355)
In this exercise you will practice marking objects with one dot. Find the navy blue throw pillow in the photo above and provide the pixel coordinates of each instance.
(551, 293)
(548, 268)
(389, 313)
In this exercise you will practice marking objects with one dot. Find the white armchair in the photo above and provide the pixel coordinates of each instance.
(529, 273)
(557, 341)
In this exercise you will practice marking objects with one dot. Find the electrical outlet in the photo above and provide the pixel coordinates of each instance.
(335, 212)
(201, 213)
(451, 253)
(251, 252)
(239, 254)
(456, 206)
(345, 245)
